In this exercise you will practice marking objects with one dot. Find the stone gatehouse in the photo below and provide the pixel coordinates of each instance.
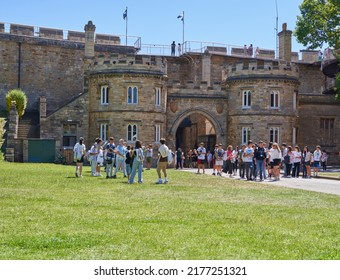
(81, 86)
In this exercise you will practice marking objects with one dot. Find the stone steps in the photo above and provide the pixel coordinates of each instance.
(29, 126)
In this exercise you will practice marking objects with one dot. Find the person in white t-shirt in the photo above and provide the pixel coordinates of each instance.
(201, 151)
(275, 155)
(317, 157)
(162, 164)
(79, 151)
(248, 155)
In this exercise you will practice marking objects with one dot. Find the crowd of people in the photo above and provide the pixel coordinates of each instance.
(122, 158)
(257, 161)
(254, 161)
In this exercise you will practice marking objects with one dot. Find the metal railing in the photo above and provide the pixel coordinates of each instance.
(188, 47)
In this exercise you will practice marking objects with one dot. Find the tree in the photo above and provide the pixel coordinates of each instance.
(20, 98)
(319, 23)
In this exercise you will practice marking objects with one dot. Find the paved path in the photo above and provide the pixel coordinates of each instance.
(315, 184)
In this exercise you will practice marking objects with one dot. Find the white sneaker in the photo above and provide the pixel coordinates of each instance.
(166, 181)
(159, 182)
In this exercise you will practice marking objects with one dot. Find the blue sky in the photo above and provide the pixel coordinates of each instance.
(233, 22)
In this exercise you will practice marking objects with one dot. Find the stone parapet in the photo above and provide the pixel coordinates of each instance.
(268, 68)
(126, 63)
(198, 87)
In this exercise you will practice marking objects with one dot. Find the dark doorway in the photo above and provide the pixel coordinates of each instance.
(193, 130)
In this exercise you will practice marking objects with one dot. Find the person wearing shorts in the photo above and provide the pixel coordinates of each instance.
(79, 153)
(219, 159)
(317, 157)
(201, 151)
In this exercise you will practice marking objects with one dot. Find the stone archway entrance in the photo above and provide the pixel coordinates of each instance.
(194, 129)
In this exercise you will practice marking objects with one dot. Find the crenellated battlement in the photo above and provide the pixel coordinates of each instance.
(128, 62)
(256, 67)
(196, 86)
(59, 34)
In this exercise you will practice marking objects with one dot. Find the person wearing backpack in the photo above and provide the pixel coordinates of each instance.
(137, 165)
(162, 163)
(260, 156)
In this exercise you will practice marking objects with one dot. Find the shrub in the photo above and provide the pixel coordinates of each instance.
(20, 98)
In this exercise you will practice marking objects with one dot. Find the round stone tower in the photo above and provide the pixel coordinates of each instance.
(262, 101)
(127, 97)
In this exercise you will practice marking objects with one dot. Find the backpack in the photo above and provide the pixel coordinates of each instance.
(170, 156)
(139, 155)
(286, 159)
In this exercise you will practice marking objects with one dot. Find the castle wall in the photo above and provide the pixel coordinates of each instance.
(311, 131)
(54, 71)
(76, 112)
(311, 79)
(42, 66)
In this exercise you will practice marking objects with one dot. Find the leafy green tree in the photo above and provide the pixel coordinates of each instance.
(319, 23)
(20, 98)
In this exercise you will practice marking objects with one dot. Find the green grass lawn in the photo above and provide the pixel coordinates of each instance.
(47, 213)
(329, 174)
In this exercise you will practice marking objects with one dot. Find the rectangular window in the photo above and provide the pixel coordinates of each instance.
(132, 95)
(104, 95)
(158, 97)
(274, 134)
(103, 131)
(132, 132)
(246, 99)
(275, 99)
(69, 135)
(157, 133)
(246, 135)
(327, 131)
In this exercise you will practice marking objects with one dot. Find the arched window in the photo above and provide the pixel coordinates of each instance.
(275, 99)
(132, 132)
(157, 133)
(158, 96)
(104, 95)
(274, 134)
(246, 99)
(103, 129)
(132, 95)
(246, 135)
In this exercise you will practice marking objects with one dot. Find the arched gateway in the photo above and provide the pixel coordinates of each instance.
(193, 126)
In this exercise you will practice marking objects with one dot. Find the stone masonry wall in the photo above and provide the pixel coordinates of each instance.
(311, 79)
(47, 67)
(76, 112)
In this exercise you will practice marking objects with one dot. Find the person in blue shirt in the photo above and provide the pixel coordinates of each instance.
(110, 157)
(120, 158)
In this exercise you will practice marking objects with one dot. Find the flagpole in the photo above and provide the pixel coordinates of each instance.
(183, 30)
(126, 27)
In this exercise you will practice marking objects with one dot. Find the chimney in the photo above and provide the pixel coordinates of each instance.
(89, 39)
(285, 44)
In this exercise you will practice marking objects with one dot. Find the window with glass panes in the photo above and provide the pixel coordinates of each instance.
(274, 99)
(327, 133)
(246, 131)
(69, 135)
(104, 95)
(274, 134)
(132, 132)
(246, 99)
(132, 95)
